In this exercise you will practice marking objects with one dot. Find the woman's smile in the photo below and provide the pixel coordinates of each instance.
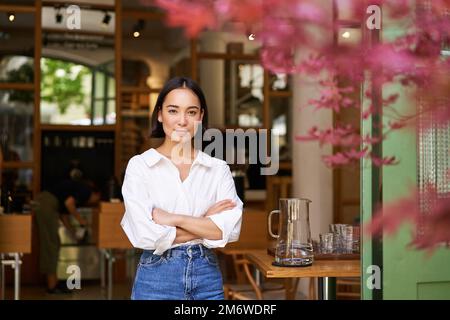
(179, 114)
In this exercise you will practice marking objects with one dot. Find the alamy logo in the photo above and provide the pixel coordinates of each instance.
(374, 280)
(374, 20)
(73, 17)
(241, 147)
(74, 280)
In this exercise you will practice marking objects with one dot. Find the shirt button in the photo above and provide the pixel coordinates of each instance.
(189, 251)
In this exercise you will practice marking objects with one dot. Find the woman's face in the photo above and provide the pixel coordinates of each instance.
(180, 112)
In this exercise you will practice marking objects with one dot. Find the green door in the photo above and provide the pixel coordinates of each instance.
(406, 273)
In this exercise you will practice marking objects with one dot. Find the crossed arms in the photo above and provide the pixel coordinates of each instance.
(191, 228)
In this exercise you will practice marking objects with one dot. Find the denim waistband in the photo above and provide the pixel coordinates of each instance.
(189, 250)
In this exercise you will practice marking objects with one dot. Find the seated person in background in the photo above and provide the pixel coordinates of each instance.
(59, 202)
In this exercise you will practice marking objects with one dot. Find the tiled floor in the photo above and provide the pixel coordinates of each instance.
(92, 291)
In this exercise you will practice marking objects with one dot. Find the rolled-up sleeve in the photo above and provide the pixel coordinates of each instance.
(137, 221)
(229, 221)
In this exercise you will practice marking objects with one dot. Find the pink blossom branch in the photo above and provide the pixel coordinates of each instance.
(412, 61)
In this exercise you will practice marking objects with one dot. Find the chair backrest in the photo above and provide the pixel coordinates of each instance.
(277, 187)
(254, 234)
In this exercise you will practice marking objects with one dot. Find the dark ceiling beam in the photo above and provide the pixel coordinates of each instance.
(94, 6)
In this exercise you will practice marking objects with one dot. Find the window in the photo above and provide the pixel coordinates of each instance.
(76, 94)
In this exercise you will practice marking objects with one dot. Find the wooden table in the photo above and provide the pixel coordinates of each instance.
(107, 232)
(325, 270)
(109, 235)
(15, 240)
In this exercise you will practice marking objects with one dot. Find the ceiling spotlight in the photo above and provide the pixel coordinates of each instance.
(106, 19)
(137, 29)
(58, 15)
(11, 16)
(346, 35)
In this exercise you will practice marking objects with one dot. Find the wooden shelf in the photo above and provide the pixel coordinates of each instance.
(54, 127)
(280, 94)
(17, 165)
(136, 113)
(17, 8)
(16, 86)
(78, 32)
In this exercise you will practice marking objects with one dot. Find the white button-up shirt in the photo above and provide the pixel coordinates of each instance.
(152, 180)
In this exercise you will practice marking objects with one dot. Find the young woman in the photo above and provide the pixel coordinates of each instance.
(179, 206)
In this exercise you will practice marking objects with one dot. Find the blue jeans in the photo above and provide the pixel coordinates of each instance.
(188, 272)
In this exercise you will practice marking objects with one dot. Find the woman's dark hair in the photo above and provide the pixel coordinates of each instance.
(172, 84)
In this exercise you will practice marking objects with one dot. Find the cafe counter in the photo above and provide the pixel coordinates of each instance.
(15, 240)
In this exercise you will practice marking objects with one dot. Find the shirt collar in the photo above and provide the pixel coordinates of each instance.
(151, 157)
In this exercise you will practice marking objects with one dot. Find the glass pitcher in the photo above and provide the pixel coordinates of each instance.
(294, 245)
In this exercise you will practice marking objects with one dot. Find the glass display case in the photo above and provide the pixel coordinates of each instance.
(83, 254)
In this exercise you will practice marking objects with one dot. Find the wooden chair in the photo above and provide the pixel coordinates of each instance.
(254, 235)
(252, 290)
(267, 290)
(277, 187)
(348, 288)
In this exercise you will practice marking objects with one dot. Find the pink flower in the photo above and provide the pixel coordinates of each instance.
(391, 60)
(368, 112)
(309, 11)
(391, 99)
(371, 140)
(396, 125)
(391, 217)
(345, 157)
(284, 28)
(346, 136)
(334, 160)
(248, 11)
(431, 226)
(333, 97)
(357, 154)
(194, 16)
(386, 161)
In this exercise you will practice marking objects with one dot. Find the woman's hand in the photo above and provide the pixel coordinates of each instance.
(163, 217)
(220, 206)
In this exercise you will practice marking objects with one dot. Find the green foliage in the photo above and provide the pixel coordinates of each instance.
(62, 83)
(24, 74)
